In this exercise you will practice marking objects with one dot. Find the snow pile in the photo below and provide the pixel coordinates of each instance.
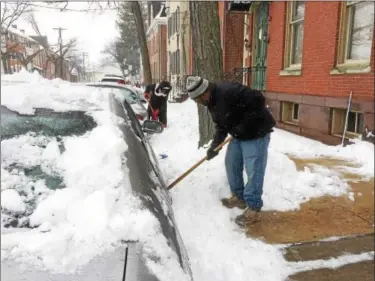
(92, 207)
(360, 152)
(54, 94)
(22, 76)
(217, 249)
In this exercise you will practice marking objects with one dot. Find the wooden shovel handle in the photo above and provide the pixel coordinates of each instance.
(196, 165)
(149, 104)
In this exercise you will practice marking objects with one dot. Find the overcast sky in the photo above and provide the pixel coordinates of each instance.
(93, 30)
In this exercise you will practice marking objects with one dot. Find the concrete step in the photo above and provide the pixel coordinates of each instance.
(328, 249)
(362, 271)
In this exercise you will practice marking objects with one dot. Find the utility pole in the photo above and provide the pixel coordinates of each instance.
(61, 56)
(84, 65)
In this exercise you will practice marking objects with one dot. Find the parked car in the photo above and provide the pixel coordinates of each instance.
(124, 92)
(146, 181)
(140, 93)
(113, 78)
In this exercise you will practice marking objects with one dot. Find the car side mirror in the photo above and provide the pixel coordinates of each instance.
(152, 127)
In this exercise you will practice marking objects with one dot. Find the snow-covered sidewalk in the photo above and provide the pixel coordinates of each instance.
(217, 249)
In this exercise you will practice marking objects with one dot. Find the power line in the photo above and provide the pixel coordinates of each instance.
(73, 10)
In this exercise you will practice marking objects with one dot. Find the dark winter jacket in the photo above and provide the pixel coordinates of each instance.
(157, 102)
(239, 111)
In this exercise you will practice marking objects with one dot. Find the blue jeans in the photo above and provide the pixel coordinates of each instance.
(253, 155)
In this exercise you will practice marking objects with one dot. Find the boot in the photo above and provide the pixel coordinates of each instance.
(233, 201)
(248, 217)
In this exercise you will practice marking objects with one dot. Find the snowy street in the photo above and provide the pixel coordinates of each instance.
(96, 209)
(187, 140)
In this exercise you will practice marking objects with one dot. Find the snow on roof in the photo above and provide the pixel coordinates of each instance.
(19, 33)
(53, 94)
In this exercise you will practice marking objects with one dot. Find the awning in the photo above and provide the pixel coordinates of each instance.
(239, 6)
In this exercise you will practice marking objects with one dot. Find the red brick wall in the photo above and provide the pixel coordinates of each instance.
(221, 12)
(163, 52)
(319, 55)
(233, 29)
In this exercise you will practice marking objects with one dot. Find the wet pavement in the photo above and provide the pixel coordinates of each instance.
(322, 218)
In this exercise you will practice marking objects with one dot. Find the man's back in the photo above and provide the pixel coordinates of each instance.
(235, 106)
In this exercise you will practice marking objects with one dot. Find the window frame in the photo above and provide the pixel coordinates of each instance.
(348, 134)
(344, 65)
(289, 107)
(289, 67)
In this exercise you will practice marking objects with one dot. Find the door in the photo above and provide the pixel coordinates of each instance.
(260, 45)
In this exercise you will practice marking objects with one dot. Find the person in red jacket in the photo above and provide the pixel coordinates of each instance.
(157, 97)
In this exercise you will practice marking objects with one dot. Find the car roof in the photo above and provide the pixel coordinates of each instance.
(109, 84)
(113, 77)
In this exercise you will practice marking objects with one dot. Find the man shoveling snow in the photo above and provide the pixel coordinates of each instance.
(241, 112)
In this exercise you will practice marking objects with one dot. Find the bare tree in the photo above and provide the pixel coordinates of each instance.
(10, 13)
(142, 40)
(128, 36)
(53, 56)
(205, 26)
(116, 53)
(26, 59)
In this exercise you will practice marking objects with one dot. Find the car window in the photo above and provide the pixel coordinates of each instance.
(121, 93)
(134, 121)
(150, 153)
(112, 80)
(45, 122)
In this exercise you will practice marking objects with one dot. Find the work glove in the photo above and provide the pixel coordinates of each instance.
(211, 153)
(155, 114)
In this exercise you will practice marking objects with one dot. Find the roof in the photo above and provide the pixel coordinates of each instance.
(19, 33)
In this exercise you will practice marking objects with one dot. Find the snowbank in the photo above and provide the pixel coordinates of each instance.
(93, 207)
(22, 76)
(359, 152)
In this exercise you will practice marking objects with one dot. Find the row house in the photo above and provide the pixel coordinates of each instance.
(157, 40)
(309, 58)
(178, 44)
(20, 51)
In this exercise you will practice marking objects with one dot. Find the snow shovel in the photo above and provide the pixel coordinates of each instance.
(196, 165)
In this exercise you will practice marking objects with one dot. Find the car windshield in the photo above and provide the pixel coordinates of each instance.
(121, 93)
(45, 122)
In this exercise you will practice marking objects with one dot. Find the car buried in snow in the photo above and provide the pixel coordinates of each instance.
(130, 260)
(124, 92)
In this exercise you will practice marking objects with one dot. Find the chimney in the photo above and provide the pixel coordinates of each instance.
(14, 26)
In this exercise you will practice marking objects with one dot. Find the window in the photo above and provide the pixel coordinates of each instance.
(294, 35)
(295, 112)
(354, 124)
(290, 112)
(356, 32)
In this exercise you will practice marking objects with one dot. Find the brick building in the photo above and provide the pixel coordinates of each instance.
(178, 44)
(157, 40)
(19, 50)
(231, 31)
(308, 57)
